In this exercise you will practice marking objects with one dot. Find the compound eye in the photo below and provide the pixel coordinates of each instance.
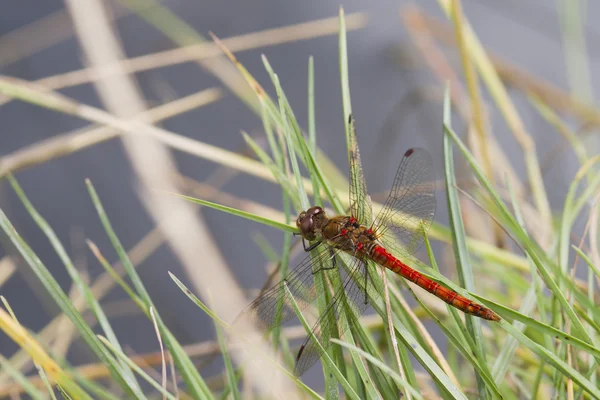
(306, 225)
(300, 218)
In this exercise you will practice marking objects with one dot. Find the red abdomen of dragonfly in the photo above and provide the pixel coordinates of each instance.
(384, 258)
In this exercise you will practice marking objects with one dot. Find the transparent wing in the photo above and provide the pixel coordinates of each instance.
(353, 300)
(410, 207)
(360, 202)
(264, 310)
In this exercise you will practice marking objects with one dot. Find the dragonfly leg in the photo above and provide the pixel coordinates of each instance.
(365, 268)
(333, 263)
(311, 247)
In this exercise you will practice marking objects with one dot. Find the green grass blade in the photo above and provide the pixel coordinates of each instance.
(83, 288)
(349, 390)
(312, 128)
(123, 357)
(64, 303)
(240, 213)
(275, 170)
(21, 379)
(554, 360)
(523, 238)
(194, 382)
(231, 376)
(382, 366)
(197, 301)
(461, 255)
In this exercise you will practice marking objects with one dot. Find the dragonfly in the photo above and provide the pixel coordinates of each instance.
(398, 230)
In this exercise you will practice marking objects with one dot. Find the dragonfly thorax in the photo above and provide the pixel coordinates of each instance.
(311, 222)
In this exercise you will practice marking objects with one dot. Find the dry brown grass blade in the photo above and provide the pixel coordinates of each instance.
(184, 229)
(7, 269)
(201, 51)
(71, 142)
(436, 60)
(209, 348)
(519, 78)
(477, 114)
(41, 34)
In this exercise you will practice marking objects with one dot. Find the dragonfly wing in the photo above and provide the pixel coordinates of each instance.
(273, 307)
(410, 207)
(264, 310)
(360, 202)
(352, 299)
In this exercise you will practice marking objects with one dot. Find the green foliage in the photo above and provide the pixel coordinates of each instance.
(547, 345)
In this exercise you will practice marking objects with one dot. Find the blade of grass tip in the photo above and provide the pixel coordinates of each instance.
(349, 390)
(286, 116)
(83, 288)
(38, 367)
(523, 238)
(20, 336)
(587, 260)
(344, 76)
(194, 382)
(349, 125)
(288, 140)
(21, 379)
(231, 378)
(289, 125)
(571, 210)
(382, 366)
(162, 351)
(275, 170)
(64, 303)
(117, 278)
(197, 301)
(317, 177)
(461, 254)
(275, 149)
(593, 325)
(122, 356)
(240, 213)
(312, 128)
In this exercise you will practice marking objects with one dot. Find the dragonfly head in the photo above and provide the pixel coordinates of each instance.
(310, 222)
